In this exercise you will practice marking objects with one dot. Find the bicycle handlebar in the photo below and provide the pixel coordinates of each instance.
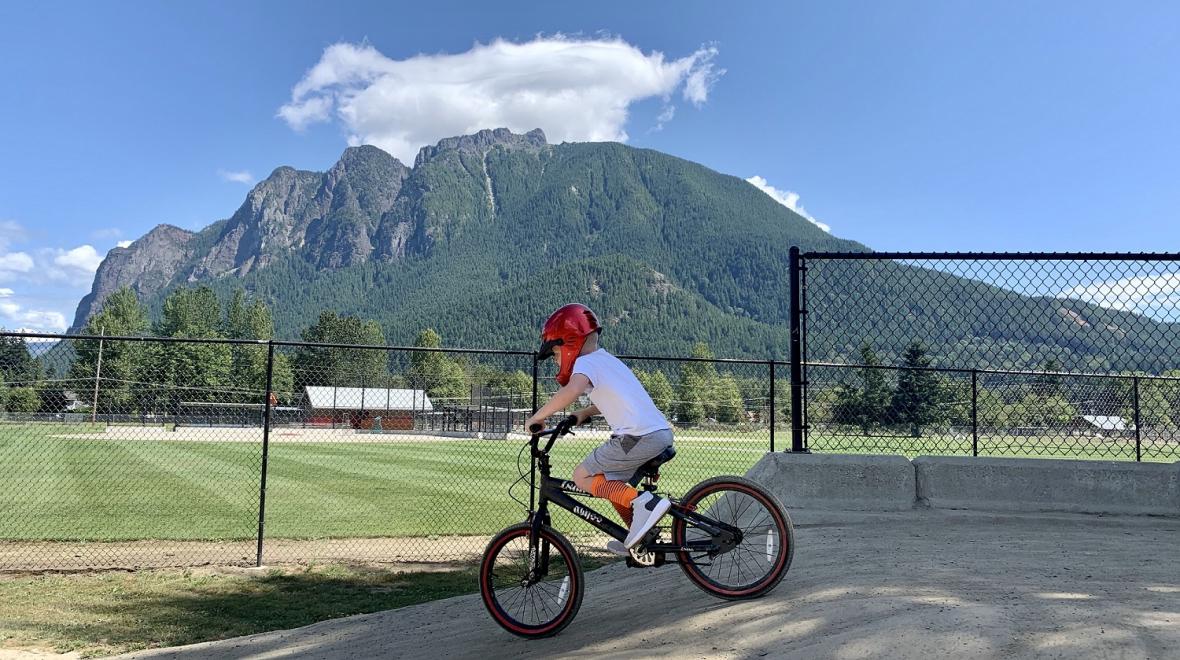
(563, 427)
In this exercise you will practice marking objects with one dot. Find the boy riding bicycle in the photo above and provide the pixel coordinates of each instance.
(639, 431)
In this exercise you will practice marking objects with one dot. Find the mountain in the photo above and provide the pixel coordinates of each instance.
(488, 232)
(480, 220)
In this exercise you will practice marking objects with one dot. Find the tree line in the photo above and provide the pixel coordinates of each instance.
(920, 399)
(151, 376)
(158, 376)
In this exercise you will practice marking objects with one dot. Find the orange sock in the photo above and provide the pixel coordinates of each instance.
(620, 493)
(625, 513)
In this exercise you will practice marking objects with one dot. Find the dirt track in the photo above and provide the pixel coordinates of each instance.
(909, 585)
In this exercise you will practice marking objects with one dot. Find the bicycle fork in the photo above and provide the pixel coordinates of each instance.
(538, 550)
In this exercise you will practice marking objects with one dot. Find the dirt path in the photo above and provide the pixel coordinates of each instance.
(908, 585)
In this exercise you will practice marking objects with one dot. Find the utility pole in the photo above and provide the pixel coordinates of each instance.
(97, 374)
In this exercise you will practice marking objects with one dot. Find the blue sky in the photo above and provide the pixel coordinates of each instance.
(904, 125)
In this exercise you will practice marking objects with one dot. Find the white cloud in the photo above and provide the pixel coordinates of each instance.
(75, 267)
(788, 199)
(238, 176)
(32, 320)
(12, 262)
(10, 232)
(83, 258)
(15, 262)
(108, 232)
(573, 89)
(124, 244)
(1153, 295)
(47, 271)
(665, 116)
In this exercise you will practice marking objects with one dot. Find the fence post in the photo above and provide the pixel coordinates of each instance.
(772, 410)
(270, 364)
(974, 412)
(535, 382)
(797, 417)
(1138, 433)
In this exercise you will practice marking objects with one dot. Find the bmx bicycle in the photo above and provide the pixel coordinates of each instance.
(731, 537)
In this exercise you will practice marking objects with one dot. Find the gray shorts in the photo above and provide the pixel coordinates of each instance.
(619, 457)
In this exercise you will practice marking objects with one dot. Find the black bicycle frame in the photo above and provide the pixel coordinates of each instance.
(559, 491)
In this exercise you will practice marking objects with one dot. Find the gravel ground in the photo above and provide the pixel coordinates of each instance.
(915, 584)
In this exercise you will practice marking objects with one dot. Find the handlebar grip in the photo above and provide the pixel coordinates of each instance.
(534, 428)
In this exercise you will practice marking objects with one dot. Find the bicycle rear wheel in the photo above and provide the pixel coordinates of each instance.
(759, 562)
(520, 601)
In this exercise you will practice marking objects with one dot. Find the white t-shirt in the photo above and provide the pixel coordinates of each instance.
(620, 398)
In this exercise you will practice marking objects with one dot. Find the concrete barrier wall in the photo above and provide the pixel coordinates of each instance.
(848, 482)
(856, 482)
(1030, 484)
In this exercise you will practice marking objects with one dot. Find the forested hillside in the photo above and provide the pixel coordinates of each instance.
(487, 233)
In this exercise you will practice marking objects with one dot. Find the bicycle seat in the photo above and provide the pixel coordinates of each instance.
(652, 467)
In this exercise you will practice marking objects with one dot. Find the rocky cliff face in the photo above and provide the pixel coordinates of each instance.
(147, 266)
(358, 210)
(482, 141)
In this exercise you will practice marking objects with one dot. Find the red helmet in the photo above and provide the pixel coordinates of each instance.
(568, 328)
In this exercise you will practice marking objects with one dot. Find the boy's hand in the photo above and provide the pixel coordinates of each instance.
(528, 423)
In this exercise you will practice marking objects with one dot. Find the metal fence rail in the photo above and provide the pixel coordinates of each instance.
(143, 452)
(1028, 354)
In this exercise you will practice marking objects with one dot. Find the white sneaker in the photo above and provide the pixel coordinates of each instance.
(616, 548)
(647, 509)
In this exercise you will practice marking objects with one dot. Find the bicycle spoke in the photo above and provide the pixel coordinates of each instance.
(746, 564)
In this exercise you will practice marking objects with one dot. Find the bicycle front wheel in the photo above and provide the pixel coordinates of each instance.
(531, 598)
(759, 562)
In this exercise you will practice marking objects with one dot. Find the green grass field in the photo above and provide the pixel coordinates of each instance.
(106, 490)
(70, 489)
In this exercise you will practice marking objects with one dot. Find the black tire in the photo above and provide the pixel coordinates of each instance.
(732, 500)
(539, 610)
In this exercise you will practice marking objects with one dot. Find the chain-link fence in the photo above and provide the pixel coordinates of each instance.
(1069, 355)
(136, 452)
(129, 452)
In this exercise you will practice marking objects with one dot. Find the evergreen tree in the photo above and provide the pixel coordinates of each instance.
(992, 412)
(659, 389)
(343, 367)
(253, 321)
(17, 366)
(22, 400)
(1156, 411)
(194, 371)
(127, 366)
(690, 404)
(442, 378)
(1042, 412)
(1048, 384)
(866, 406)
(731, 408)
(696, 387)
(920, 398)
(517, 386)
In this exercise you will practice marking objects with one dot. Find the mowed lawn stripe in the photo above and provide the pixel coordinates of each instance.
(36, 478)
(393, 489)
(176, 497)
(314, 499)
(226, 472)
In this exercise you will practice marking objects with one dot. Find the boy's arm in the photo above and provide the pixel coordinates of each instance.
(586, 413)
(561, 400)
